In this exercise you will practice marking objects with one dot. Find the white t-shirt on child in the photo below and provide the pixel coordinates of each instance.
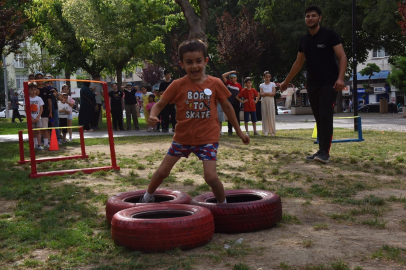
(267, 88)
(35, 103)
(63, 106)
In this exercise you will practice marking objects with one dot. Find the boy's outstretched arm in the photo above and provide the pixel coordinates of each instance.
(156, 109)
(229, 111)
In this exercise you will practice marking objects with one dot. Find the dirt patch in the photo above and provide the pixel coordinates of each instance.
(7, 207)
(296, 244)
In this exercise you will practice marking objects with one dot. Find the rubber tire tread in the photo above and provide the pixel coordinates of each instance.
(117, 202)
(244, 216)
(159, 235)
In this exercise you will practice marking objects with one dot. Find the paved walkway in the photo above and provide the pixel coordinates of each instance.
(371, 121)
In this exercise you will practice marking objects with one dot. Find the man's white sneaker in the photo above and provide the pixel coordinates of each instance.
(39, 147)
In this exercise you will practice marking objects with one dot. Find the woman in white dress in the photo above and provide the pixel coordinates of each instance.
(267, 93)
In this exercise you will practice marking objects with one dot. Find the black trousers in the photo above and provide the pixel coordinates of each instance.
(322, 101)
(95, 117)
(236, 108)
(117, 116)
(168, 111)
(16, 114)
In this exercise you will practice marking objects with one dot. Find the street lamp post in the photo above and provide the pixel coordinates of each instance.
(354, 64)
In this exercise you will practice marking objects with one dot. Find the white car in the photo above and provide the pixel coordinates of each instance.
(75, 113)
(283, 110)
(10, 113)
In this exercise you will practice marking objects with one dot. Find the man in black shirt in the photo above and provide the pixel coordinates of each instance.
(320, 48)
(169, 110)
(131, 104)
(46, 96)
(116, 106)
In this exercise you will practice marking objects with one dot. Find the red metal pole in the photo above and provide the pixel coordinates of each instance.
(21, 143)
(82, 141)
(29, 127)
(109, 128)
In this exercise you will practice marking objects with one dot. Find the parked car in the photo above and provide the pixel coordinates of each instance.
(10, 113)
(75, 113)
(283, 110)
(374, 108)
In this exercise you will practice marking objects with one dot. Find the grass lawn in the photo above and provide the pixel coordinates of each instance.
(348, 214)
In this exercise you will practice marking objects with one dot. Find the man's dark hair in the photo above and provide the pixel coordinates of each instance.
(313, 8)
(166, 72)
(247, 79)
(86, 83)
(96, 76)
(192, 45)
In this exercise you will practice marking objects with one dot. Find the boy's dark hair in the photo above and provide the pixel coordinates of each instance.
(267, 72)
(166, 72)
(86, 83)
(247, 79)
(192, 45)
(31, 75)
(32, 85)
(313, 8)
(148, 87)
(153, 96)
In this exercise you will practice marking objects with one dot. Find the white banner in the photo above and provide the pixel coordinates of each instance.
(346, 90)
(75, 92)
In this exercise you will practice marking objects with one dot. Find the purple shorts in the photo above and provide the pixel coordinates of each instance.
(203, 152)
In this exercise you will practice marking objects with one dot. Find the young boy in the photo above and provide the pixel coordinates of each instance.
(36, 107)
(63, 109)
(196, 96)
(251, 97)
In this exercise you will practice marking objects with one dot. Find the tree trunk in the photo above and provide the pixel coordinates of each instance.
(339, 102)
(216, 71)
(67, 77)
(119, 73)
(197, 26)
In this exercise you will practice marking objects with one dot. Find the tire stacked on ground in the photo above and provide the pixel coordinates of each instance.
(131, 199)
(246, 210)
(159, 227)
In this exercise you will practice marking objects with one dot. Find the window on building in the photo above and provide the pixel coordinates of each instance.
(128, 75)
(19, 61)
(138, 69)
(379, 53)
(19, 81)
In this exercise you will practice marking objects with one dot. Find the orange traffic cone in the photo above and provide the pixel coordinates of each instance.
(53, 146)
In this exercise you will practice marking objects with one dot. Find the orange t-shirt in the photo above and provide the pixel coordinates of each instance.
(196, 112)
(249, 95)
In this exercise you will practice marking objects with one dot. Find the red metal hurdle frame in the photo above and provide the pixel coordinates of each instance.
(34, 161)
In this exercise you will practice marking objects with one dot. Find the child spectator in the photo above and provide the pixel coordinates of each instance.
(146, 92)
(151, 103)
(71, 103)
(267, 92)
(117, 106)
(197, 131)
(36, 107)
(63, 109)
(251, 97)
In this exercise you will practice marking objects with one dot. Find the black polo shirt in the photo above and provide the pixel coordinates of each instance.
(321, 62)
(45, 94)
(129, 97)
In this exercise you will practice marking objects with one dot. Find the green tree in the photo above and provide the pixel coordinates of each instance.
(369, 70)
(397, 77)
(13, 27)
(122, 30)
(376, 27)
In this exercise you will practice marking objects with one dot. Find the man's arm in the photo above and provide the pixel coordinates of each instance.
(229, 111)
(50, 107)
(156, 109)
(342, 60)
(224, 76)
(256, 98)
(300, 59)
